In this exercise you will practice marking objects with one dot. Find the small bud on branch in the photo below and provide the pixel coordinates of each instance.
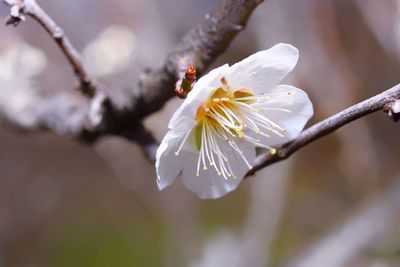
(186, 84)
(393, 110)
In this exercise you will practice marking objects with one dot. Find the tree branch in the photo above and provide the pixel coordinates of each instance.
(200, 47)
(32, 8)
(328, 126)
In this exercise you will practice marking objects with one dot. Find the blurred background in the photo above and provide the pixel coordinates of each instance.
(334, 203)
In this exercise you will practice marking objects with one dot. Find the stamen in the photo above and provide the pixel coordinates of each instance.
(245, 105)
(213, 148)
(277, 109)
(231, 121)
(224, 81)
(203, 145)
(182, 143)
(225, 118)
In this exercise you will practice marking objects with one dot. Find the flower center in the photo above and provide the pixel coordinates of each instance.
(222, 110)
(227, 117)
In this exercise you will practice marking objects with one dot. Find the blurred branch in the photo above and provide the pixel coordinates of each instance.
(31, 8)
(142, 136)
(199, 47)
(355, 234)
(329, 125)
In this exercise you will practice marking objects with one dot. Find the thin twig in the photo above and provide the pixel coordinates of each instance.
(32, 8)
(328, 126)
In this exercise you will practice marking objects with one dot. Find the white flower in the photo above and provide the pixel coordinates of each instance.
(229, 112)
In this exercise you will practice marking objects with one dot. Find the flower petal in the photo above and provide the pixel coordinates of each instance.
(301, 110)
(168, 165)
(211, 186)
(265, 69)
(184, 117)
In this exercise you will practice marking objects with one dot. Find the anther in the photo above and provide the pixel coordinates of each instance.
(224, 81)
(272, 151)
(177, 153)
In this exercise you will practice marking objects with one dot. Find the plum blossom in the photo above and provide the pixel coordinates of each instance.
(229, 112)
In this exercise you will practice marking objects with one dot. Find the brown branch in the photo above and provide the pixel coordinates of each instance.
(32, 8)
(328, 126)
(200, 47)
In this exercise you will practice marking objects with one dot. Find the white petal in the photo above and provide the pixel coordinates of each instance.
(211, 186)
(265, 69)
(184, 116)
(301, 110)
(168, 165)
